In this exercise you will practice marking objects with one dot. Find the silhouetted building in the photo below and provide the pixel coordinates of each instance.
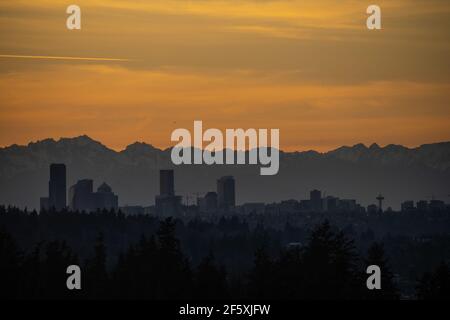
(372, 209)
(226, 193)
(289, 206)
(57, 193)
(315, 196)
(422, 205)
(167, 203)
(166, 183)
(330, 204)
(104, 198)
(57, 186)
(407, 206)
(168, 206)
(254, 207)
(82, 197)
(44, 203)
(305, 205)
(437, 205)
(348, 205)
(208, 203)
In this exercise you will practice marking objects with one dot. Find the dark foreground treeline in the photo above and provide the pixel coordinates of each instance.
(155, 267)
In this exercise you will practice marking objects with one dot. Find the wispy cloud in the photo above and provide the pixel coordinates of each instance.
(14, 56)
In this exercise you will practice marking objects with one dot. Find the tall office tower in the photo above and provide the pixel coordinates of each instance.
(44, 203)
(80, 196)
(57, 186)
(226, 192)
(166, 183)
(167, 203)
(315, 197)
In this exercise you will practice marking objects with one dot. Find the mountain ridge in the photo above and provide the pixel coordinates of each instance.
(85, 139)
(358, 171)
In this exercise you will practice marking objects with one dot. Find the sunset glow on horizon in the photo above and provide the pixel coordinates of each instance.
(309, 68)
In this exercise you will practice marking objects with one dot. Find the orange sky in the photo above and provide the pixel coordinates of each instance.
(309, 68)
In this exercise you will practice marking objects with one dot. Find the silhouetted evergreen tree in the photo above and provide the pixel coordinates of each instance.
(330, 265)
(261, 277)
(288, 282)
(147, 268)
(435, 285)
(125, 278)
(210, 280)
(174, 273)
(10, 262)
(58, 256)
(31, 284)
(376, 256)
(96, 284)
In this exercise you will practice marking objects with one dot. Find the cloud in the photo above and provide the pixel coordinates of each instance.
(12, 56)
(310, 68)
(118, 106)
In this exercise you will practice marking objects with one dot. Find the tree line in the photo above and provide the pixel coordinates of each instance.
(155, 267)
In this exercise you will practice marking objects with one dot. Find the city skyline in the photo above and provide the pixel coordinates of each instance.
(225, 158)
(167, 203)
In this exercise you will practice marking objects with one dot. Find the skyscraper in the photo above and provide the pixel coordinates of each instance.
(44, 203)
(57, 186)
(80, 195)
(167, 203)
(315, 197)
(166, 183)
(226, 192)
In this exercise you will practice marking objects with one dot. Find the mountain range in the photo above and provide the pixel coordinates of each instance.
(349, 172)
